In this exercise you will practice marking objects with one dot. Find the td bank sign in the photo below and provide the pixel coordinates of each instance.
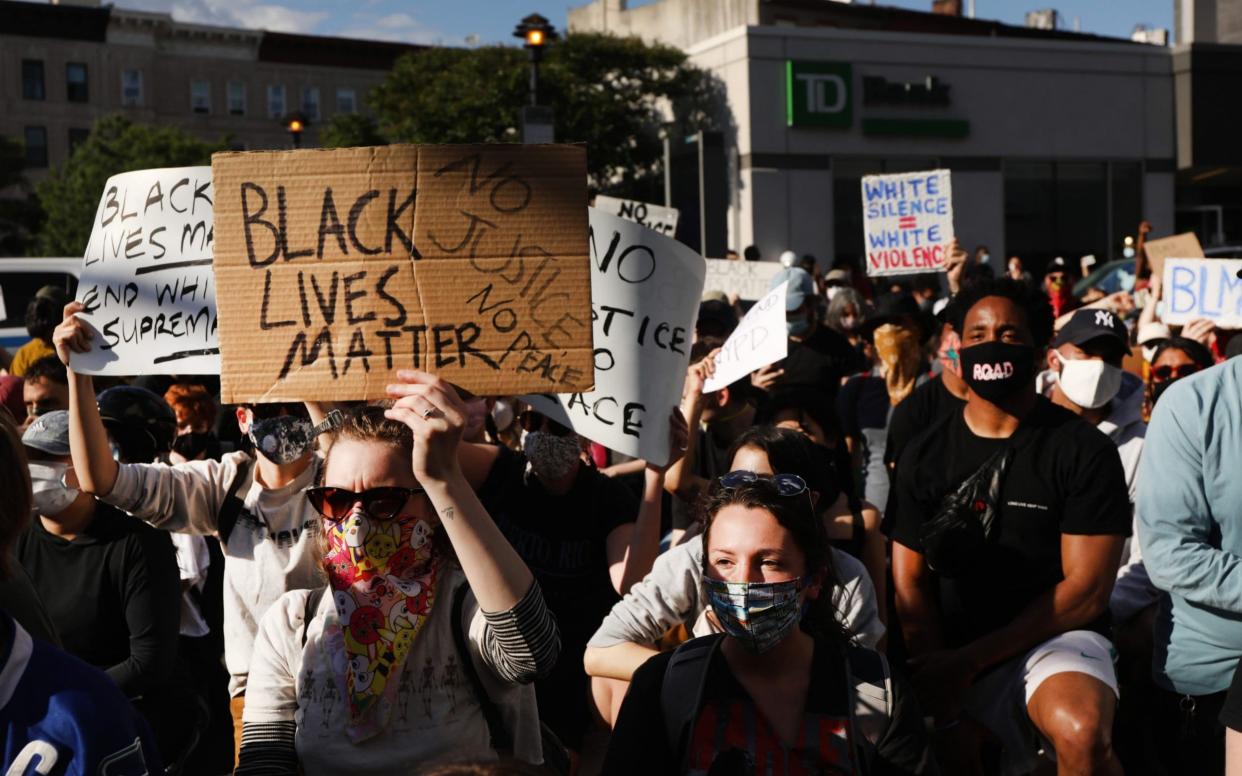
(821, 94)
(818, 94)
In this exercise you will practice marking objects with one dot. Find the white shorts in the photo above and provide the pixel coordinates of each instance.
(998, 699)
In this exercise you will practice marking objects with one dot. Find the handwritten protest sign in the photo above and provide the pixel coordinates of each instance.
(760, 339)
(1182, 246)
(337, 267)
(654, 217)
(747, 280)
(907, 222)
(645, 291)
(146, 276)
(1203, 288)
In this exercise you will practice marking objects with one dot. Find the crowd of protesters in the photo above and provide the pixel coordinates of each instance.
(973, 523)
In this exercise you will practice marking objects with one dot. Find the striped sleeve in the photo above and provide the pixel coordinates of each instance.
(267, 749)
(522, 643)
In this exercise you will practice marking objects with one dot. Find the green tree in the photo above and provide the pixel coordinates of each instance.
(351, 129)
(20, 214)
(608, 92)
(70, 194)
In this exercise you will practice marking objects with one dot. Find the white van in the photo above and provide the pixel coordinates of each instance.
(20, 279)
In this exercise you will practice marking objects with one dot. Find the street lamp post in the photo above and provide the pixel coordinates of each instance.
(537, 122)
(296, 123)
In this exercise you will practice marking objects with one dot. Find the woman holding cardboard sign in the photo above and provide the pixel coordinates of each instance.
(431, 628)
(253, 503)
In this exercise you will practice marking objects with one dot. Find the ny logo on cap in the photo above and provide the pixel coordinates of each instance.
(1104, 318)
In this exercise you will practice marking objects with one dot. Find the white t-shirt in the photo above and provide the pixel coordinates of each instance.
(272, 548)
(437, 716)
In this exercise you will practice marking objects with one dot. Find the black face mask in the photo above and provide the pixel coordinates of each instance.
(997, 370)
(191, 446)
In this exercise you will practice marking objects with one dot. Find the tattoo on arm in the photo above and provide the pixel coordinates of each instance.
(447, 513)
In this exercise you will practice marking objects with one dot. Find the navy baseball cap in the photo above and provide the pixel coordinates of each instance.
(1089, 324)
(801, 286)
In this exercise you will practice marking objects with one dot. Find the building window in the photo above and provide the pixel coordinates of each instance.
(77, 137)
(32, 80)
(276, 101)
(847, 205)
(237, 98)
(346, 101)
(131, 88)
(1070, 209)
(200, 96)
(36, 146)
(310, 102)
(76, 88)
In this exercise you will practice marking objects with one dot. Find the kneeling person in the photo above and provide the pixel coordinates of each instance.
(1011, 515)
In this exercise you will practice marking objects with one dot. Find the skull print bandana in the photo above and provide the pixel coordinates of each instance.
(382, 575)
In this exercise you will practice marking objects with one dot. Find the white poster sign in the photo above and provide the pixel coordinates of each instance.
(645, 291)
(748, 280)
(146, 276)
(655, 217)
(907, 222)
(760, 339)
(1203, 288)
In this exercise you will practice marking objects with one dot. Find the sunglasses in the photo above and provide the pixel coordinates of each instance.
(336, 504)
(275, 410)
(786, 484)
(1164, 373)
(530, 420)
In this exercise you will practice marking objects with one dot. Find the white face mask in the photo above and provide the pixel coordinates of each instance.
(1089, 383)
(51, 495)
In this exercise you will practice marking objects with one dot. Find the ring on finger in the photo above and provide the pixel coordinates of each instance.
(430, 412)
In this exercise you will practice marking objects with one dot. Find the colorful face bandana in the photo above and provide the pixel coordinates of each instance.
(383, 578)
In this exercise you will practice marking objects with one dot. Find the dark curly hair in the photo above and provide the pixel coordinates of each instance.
(1032, 302)
(796, 515)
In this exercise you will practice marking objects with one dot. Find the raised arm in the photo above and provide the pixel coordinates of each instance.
(680, 479)
(435, 413)
(633, 547)
(88, 439)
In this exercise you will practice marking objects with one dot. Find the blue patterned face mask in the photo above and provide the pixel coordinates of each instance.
(758, 614)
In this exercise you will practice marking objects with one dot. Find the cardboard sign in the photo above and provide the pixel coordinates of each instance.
(338, 267)
(760, 339)
(1203, 288)
(146, 276)
(1185, 246)
(907, 222)
(747, 280)
(657, 218)
(645, 290)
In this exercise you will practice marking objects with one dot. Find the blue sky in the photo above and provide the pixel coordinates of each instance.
(457, 22)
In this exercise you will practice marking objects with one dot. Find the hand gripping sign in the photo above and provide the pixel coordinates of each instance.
(645, 291)
(147, 283)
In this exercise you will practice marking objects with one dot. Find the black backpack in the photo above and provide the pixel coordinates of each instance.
(685, 680)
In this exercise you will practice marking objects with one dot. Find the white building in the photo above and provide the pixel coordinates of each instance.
(1058, 143)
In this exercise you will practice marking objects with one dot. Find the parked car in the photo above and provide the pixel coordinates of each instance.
(1112, 277)
(20, 279)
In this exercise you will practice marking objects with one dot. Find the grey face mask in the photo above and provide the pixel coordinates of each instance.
(285, 439)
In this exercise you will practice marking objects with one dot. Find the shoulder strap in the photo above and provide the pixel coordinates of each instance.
(681, 694)
(233, 505)
(312, 606)
(872, 689)
(502, 743)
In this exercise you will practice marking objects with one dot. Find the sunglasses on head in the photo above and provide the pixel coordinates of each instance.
(537, 421)
(275, 410)
(380, 503)
(1163, 373)
(785, 484)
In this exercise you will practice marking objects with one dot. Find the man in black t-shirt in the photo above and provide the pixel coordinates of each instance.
(585, 539)
(818, 357)
(1013, 628)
